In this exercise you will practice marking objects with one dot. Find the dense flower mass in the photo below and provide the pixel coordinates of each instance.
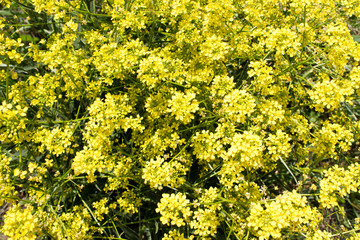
(180, 119)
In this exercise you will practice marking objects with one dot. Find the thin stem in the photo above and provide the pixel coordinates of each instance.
(59, 122)
(342, 233)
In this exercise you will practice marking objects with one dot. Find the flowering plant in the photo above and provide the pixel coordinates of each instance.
(182, 119)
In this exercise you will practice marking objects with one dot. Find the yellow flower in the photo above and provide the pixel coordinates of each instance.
(21, 224)
(174, 209)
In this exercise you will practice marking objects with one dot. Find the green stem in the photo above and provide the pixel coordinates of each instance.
(59, 122)
(28, 25)
(342, 233)
(7, 79)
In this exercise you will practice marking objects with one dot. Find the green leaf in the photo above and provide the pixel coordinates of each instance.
(356, 37)
(29, 38)
(5, 13)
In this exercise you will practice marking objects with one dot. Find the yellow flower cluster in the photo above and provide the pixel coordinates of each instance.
(105, 118)
(117, 60)
(330, 93)
(101, 209)
(248, 148)
(209, 146)
(174, 209)
(237, 105)
(7, 189)
(159, 67)
(73, 225)
(330, 137)
(288, 211)
(158, 173)
(263, 76)
(278, 145)
(13, 123)
(43, 90)
(121, 173)
(20, 223)
(175, 235)
(205, 222)
(129, 202)
(183, 105)
(9, 46)
(56, 141)
(205, 216)
(339, 182)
